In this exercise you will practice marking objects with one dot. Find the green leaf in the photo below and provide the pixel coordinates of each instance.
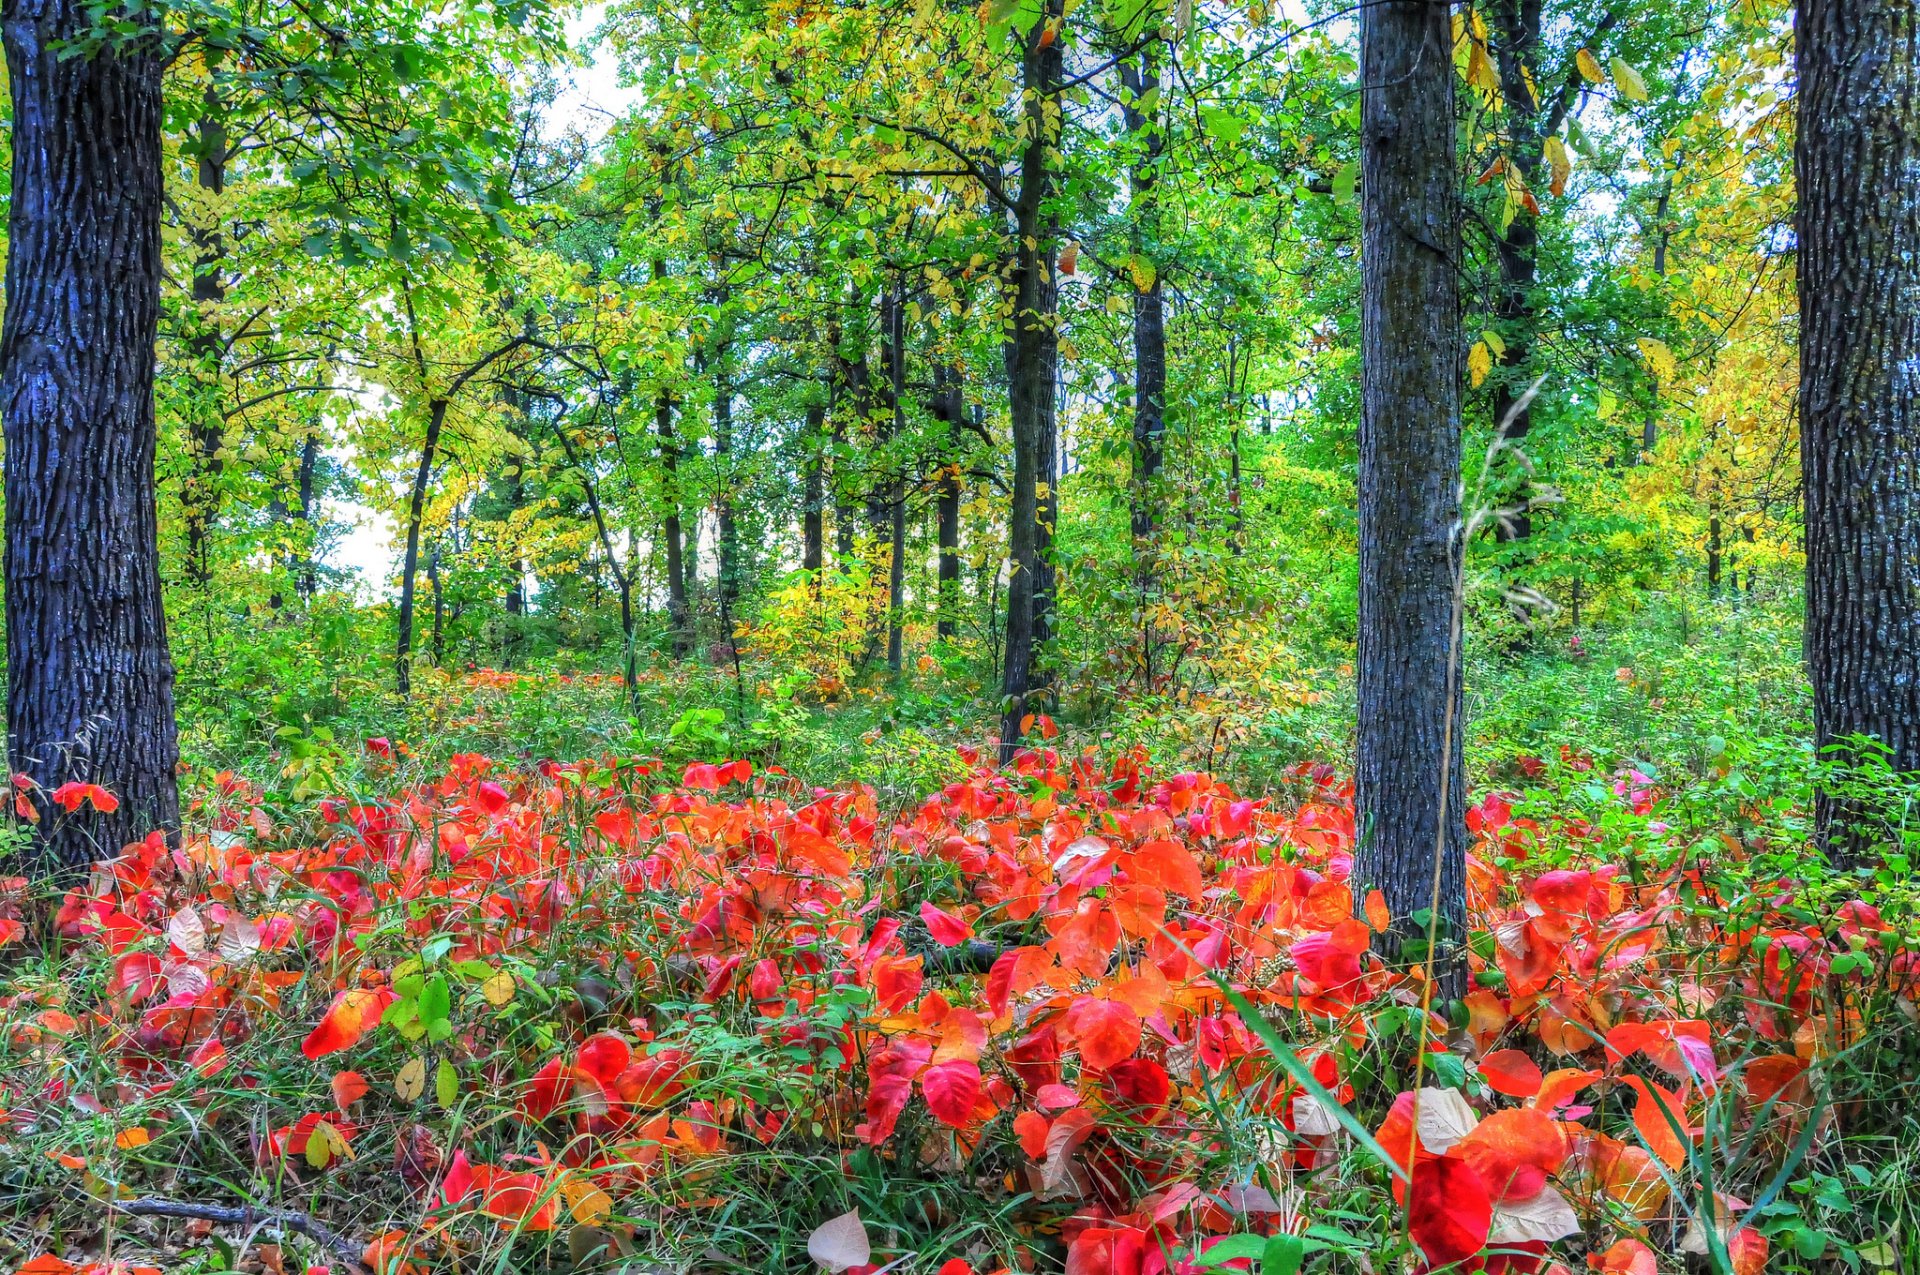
(1346, 182)
(1284, 1255)
(1225, 126)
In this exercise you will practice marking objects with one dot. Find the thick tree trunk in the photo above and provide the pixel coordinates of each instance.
(1857, 169)
(679, 614)
(206, 430)
(1409, 751)
(1031, 351)
(410, 561)
(90, 681)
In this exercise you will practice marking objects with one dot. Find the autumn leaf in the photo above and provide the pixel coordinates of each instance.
(1449, 1213)
(348, 1087)
(952, 1089)
(1559, 165)
(1628, 81)
(411, 1081)
(840, 1243)
(946, 929)
(350, 1016)
(1589, 66)
(1511, 1072)
(1479, 363)
(1106, 1031)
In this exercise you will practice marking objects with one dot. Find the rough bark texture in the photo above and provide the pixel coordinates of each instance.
(1857, 166)
(1409, 472)
(1031, 350)
(895, 313)
(1149, 324)
(90, 681)
(813, 514)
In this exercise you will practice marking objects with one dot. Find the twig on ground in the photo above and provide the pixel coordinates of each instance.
(248, 1215)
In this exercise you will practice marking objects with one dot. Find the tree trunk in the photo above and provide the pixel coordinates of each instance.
(1149, 328)
(727, 531)
(206, 430)
(1030, 355)
(90, 680)
(306, 562)
(948, 407)
(410, 562)
(1857, 169)
(1408, 781)
(679, 614)
(813, 520)
(896, 347)
(438, 647)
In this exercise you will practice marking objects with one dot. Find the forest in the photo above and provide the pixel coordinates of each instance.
(961, 637)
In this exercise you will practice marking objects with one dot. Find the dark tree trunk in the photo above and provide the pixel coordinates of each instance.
(896, 349)
(727, 529)
(206, 430)
(438, 647)
(306, 563)
(813, 513)
(1149, 328)
(1713, 554)
(90, 681)
(1409, 702)
(410, 561)
(679, 614)
(1030, 354)
(949, 408)
(516, 600)
(1857, 169)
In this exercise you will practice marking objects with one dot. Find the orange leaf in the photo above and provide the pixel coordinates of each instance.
(351, 1015)
(1513, 1151)
(349, 1087)
(947, 929)
(1661, 1119)
(1511, 1072)
(1105, 1031)
(1377, 915)
(1168, 865)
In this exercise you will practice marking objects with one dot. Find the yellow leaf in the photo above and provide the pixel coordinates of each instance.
(1495, 343)
(325, 1145)
(412, 1080)
(446, 1083)
(1589, 66)
(1560, 163)
(1480, 72)
(1628, 81)
(1659, 358)
(1142, 271)
(498, 989)
(1479, 362)
(587, 1203)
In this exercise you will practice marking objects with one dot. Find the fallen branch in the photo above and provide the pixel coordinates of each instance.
(248, 1215)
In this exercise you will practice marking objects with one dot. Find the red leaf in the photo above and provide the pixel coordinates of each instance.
(1448, 1210)
(952, 1089)
(350, 1016)
(349, 1087)
(1168, 865)
(1513, 1151)
(1511, 1072)
(1656, 1115)
(947, 930)
(1105, 1031)
(458, 1183)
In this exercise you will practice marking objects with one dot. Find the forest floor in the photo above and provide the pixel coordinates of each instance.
(530, 977)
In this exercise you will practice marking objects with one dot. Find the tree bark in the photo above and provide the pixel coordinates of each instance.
(1857, 169)
(895, 313)
(90, 680)
(1409, 751)
(410, 561)
(1031, 351)
(1149, 327)
(813, 514)
(679, 613)
(206, 430)
(949, 408)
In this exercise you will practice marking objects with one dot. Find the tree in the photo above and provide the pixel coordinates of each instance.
(1408, 776)
(1857, 165)
(90, 680)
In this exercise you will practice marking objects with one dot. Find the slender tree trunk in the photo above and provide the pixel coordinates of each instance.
(948, 407)
(813, 514)
(1149, 327)
(1857, 169)
(90, 681)
(726, 525)
(896, 338)
(679, 614)
(206, 430)
(410, 561)
(306, 558)
(1409, 700)
(516, 600)
(438, 648)
(1030, 355)
(1713, 554)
